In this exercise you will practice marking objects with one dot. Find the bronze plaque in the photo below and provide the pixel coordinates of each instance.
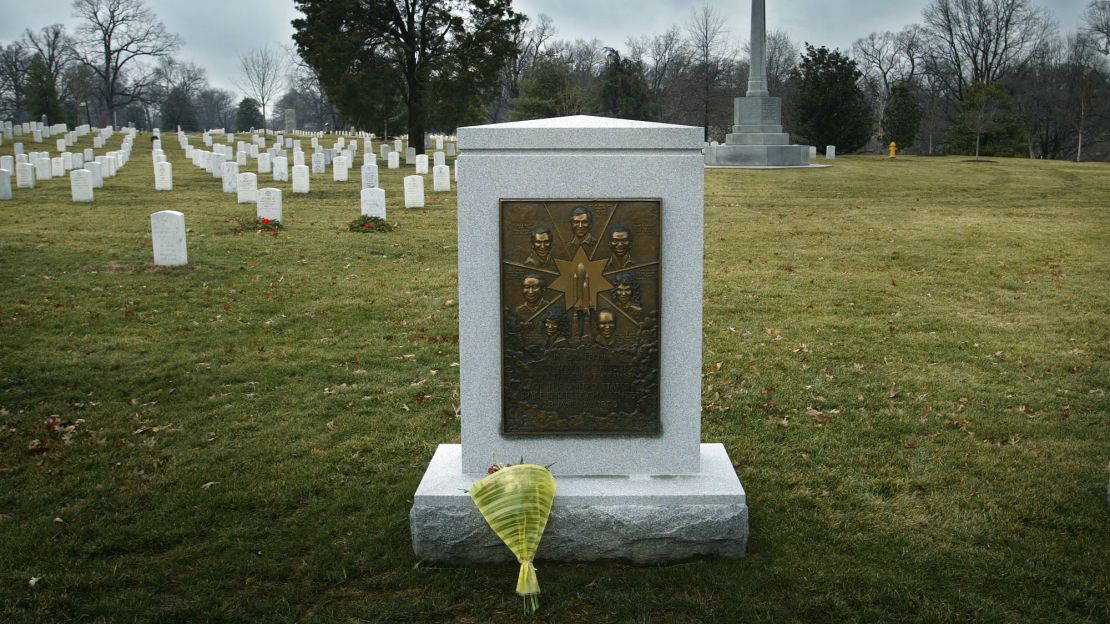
(580, 316)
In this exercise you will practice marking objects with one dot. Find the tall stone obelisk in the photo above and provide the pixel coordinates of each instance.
(757, 76)
(757, 139)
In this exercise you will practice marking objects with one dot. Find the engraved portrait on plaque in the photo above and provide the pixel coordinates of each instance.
(580, 283)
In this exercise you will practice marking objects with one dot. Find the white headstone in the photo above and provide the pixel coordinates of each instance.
(318, 165)
(384, 149)
(281, 169)
(5, 185)
(57, 167)
(263, 163)
(230, 177)
(167, 236)
(80, 185)
(269, 204)
(393, 161)
(441, 179)
(450, 149)
(17, 149)
(397, 145)
(439, 143)
(89, 154)
(373, 202)
(241, 158)
(830, 152)
(163, 176)
(105, 169)
(300, 179)
(298, 158)
(24, 176)
(42, 169)
(67, 162)
(246, 188)
(369, 176)
(8, 163)
(422, 164)
(439, 158)
(414, 191)
(216, 163)
(339, 169)
(97, 171)
(410, 156)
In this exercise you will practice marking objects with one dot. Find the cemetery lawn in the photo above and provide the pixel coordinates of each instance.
(908, 362)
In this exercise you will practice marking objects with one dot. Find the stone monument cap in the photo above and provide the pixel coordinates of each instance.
(579, 132)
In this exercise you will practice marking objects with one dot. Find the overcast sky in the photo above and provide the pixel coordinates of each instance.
(216, 32)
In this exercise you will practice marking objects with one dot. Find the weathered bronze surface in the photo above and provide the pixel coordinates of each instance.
(580, 316)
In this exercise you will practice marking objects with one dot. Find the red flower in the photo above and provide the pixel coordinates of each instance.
(492, 469)
(265, 221)
(367, 226)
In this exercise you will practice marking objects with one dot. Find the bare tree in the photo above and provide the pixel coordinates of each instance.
(1097, 19)
(55, 48)
(1083, 77)
(982, 40)
(184, 75)
(14, 64)
(215, 108)
(528, 44)
(665, 59)
(879, 56)
(887, 59)
(263, 71)
(712, 57)
(113, 38)
(782, 57)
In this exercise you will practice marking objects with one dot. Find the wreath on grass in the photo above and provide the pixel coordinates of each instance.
(370, 224)
(258, 224)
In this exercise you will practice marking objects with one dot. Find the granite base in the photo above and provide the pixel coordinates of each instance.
(757, 156)
(641, 519)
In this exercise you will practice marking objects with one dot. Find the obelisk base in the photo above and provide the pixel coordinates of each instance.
(757, 139)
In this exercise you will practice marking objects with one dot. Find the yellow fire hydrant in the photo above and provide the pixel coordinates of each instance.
(893, 150)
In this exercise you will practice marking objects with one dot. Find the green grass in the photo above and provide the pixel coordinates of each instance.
(913, 360)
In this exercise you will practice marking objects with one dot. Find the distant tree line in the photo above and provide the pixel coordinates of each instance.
(118, 66)
(984, 77)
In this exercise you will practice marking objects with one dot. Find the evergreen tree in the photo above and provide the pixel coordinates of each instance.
(440, 61)
(623, 91)
(829, 105)
(548, 90)
(249, 115)
(902, 117)
(177, 110)
(40, 93)
(990, 124)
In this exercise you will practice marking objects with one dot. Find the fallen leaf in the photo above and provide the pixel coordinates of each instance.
(208, 485)
(331, 425)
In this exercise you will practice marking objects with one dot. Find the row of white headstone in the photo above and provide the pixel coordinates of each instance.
(85, 172)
